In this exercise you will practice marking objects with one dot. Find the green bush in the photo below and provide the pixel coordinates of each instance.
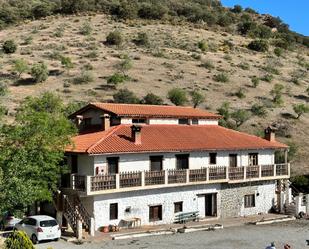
(152, 99)
(225, 20)
(202, 45)
(221, 77)
(125, 10)
(300, 109)
(240, 93)
(125, 96)
(276, 93)
(39, 72)
(114, 38)
(207, 64)
(255, 81)
(84, 78)
(177, 96)
(197, 98)
(85, 29)
(258, 45)
(259, 110)
(9, 47)
(142, 39)
(267, 78)
(18, 240)
(3, 89)
(237, 9)
(278, 52)
(240, 116)
(20, 66)
(153, 10)
(116, 79)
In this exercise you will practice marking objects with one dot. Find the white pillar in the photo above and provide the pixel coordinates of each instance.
(79, 232)
(143, 178)
(92, 230)
(117, 181)
(245, 172)
(207, 174)
(282, 201)
(165, 177)
(298, 201)
(88, 185)
(187, 175)
(59, 215)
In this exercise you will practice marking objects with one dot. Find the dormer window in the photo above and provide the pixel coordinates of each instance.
(87, 121)
(139, 121)
(183, 121)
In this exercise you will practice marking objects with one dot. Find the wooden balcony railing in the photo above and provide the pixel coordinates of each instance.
(150, 179)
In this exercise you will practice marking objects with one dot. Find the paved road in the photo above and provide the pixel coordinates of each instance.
(244, 237)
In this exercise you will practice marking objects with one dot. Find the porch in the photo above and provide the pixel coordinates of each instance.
(141, 180)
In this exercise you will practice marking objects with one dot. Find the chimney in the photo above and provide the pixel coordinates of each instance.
(270, 134)
(106, 123)
(136, 134)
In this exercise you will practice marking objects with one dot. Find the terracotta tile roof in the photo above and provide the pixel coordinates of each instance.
(138, 110)
(168, 138)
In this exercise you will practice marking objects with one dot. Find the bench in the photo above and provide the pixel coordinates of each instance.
(183, 217)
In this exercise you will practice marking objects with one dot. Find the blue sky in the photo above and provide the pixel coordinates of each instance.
(293, 12)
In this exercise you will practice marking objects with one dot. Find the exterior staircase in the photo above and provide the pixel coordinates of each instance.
(71, 207)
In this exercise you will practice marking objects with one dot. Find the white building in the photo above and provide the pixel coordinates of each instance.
(151, 163)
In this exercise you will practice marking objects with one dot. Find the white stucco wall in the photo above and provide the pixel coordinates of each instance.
(264, 199)
(197, 160)
(139, 201)
(208, 122)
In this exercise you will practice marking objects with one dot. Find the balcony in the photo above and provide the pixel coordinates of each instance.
(131, 181)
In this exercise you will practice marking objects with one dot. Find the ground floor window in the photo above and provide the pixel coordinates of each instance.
(178, 207)
(113, 211)
(155, 213)
(249, 201)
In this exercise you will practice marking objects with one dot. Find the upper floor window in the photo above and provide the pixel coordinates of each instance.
(183, 121)
(233, 160)
(212, 158)
(87, 121)
(115, 120)
(253, 159)
(138, 120)
(156, 163)
(182, 161)
(195, 121)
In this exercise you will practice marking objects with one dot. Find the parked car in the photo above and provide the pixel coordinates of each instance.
(40, 227)
(8, 221)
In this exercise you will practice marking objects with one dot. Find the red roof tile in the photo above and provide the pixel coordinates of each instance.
(168, 138)
(138, 110)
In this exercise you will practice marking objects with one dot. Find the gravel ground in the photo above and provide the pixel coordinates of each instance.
(244, 237)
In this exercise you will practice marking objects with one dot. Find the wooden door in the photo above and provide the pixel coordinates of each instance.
(113, 165)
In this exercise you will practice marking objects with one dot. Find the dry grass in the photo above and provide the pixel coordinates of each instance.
(173, 59)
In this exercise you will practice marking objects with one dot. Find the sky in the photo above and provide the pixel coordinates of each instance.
(293, 12)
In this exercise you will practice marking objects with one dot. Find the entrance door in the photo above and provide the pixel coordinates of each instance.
(211, 205)
(112, 165)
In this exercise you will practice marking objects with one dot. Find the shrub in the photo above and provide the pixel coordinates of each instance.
(278, 52)
(221, 77)
(3, 89)
(125, 96)
(67, 63)
(85, 29)
(125, 10)
(258, 45)
(84, 78)
(152, 99)
(224, 20)
(276, 93)
(259, 110)
(116, 79)
(267, 78)
(298, 75)
(240, 116)
(240, 93)
(9, 47)
(20, 66)
(261, 31)
(244, 66)
(237, 9)
(39, 72)
(114, 38)
(142, 39)
(202, 45)
(207, 64)
(307, 90)
(197, 98)
(125, 64)
(251, 11)
(255, 81)
(245, 27)
(18, 240)
(300, 109)
(177, 96)
(152, 11)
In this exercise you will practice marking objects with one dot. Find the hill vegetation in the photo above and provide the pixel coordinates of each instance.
(248, 67)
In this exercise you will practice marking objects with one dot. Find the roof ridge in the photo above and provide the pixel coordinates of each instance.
(109, 132)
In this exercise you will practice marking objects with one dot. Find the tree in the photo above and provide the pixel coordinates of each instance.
(300, 109)
(197, 98)
(31, 150)
(39, 72)
(9, 47)
(177, 96)
(224, 110)
(152, 99)
(240, 116)
(276, 92)
(20, 66)
(259, 45)
(125, 96)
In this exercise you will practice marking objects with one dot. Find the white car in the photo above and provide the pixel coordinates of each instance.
(40, 227)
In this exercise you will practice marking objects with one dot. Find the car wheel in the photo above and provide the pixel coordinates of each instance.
(34, 239)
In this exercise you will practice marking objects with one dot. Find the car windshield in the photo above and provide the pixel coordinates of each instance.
(48, 223)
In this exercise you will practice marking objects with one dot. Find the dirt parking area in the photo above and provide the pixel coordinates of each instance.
(243, 237)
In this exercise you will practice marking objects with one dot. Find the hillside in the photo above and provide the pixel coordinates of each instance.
(178, 54)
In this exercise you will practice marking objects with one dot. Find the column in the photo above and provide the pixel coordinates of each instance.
(117, 181)
(187, 175)
(143, 178)
(79, 231)
(88, 185)
(92, 230)
(165, 177)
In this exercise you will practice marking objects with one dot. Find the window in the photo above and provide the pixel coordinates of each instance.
(182, 161)
(155, 213)
(112, 164)
(249, 201)
(87, 122)
(253, 159)
(212, 158)
(115, 120)
(113, 211)
(195, 121)
(178, 207)
(156, 163)
(138, 121)
(183, 121)
(74, 164)
(233, 160)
